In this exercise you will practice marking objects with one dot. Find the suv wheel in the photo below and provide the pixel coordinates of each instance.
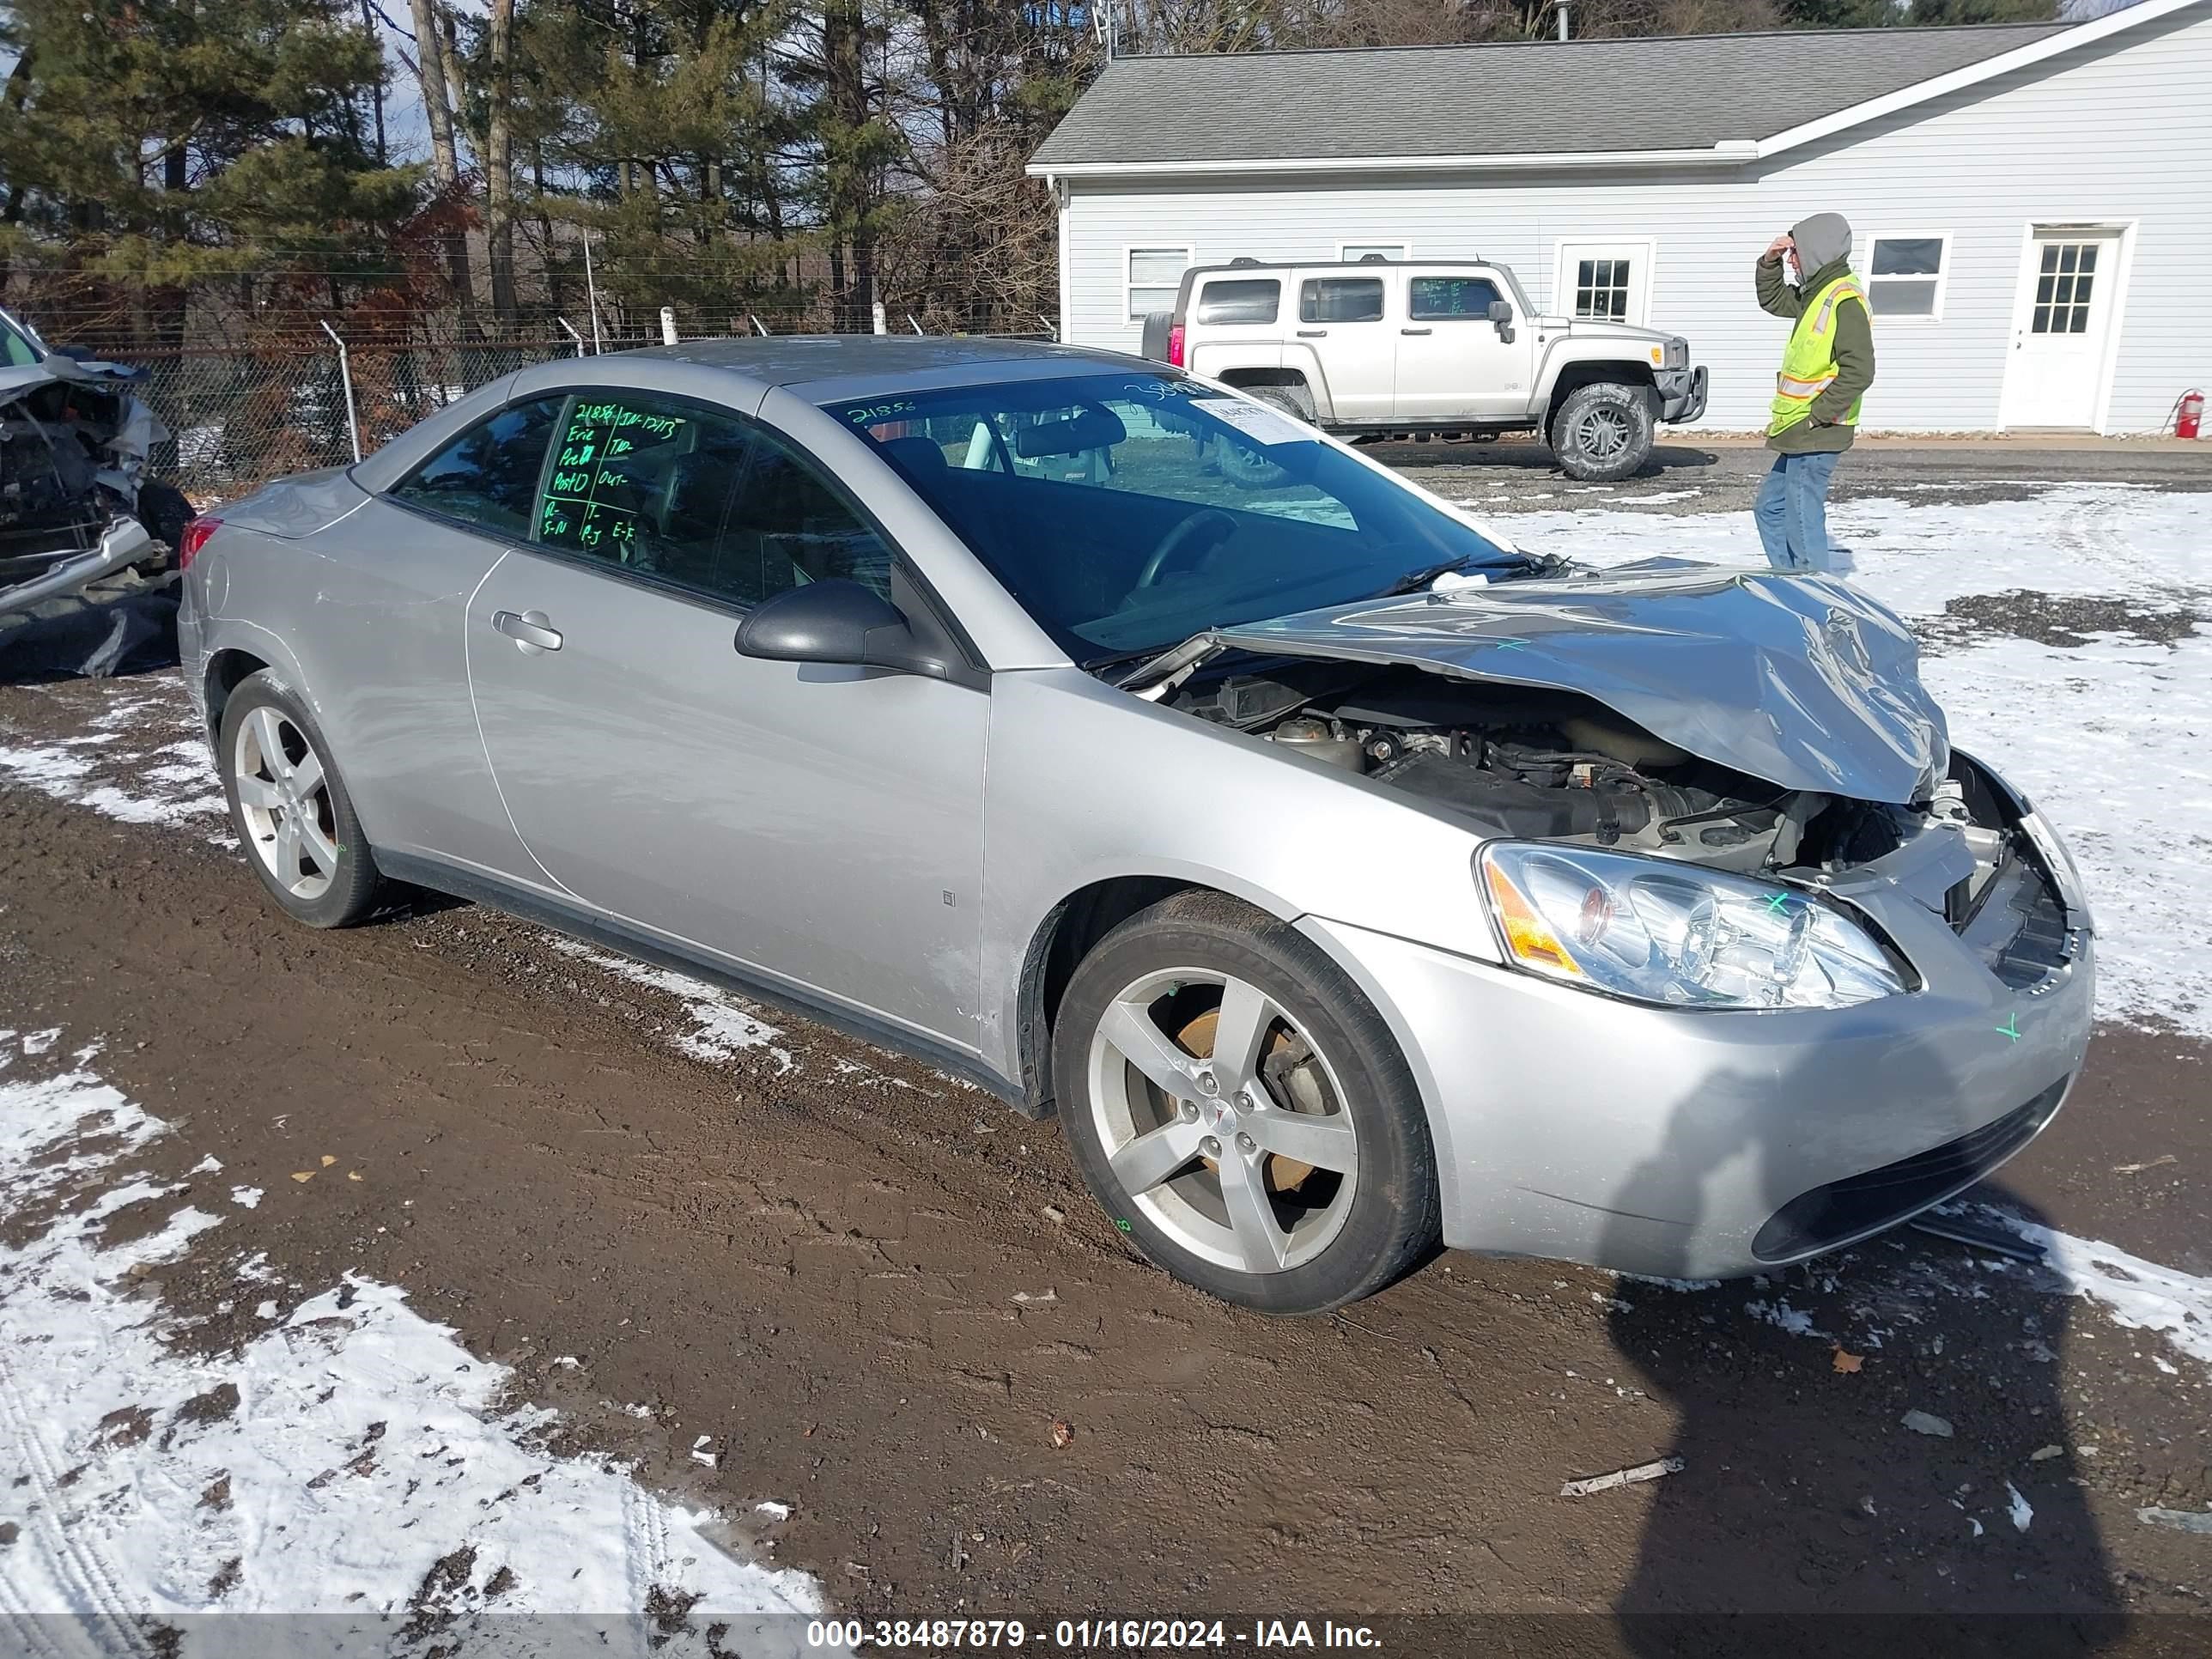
(1603, 432)
(1241, 1111)
(290, 806)
(1250, 467)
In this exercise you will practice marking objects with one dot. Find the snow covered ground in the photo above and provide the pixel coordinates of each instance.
(352, 1461)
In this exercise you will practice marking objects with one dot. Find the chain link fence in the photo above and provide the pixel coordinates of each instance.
(239, 418)
(242, 416)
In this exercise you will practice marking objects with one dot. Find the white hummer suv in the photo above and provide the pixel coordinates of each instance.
(1417, 348)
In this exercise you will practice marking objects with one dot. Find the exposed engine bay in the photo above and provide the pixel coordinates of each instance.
(73, 455)
(1534, 764)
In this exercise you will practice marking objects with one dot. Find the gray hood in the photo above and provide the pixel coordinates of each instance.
(1821, 241)
(1801, 680)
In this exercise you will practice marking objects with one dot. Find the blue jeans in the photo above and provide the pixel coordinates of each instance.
(1792, 511)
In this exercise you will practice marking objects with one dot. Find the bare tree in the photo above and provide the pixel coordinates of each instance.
(499, 157)
(435, 71)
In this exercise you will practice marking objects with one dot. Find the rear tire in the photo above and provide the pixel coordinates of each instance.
(165, 510)
(1198, 1178)
(290, 808)
(1250, 467)
(1603, 432)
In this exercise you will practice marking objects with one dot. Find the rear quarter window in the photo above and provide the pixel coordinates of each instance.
(488, 475)
(1246, 300)
(1341, 300)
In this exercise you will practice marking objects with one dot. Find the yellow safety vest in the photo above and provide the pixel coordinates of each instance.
(1808, 366)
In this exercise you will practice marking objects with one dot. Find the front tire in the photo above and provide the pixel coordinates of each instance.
(1603, 432)
(1241, 1112)
(290, 806)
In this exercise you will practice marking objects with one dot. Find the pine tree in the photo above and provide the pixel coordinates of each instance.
(150, 143)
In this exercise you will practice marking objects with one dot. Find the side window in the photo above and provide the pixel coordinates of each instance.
(646, 484)
(15, 351)
(1246, 300)
(1451, 299)
(1341, 300)
(787, 527)
(488, 475)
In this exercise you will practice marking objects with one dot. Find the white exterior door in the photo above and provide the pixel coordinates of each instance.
(2061, 322)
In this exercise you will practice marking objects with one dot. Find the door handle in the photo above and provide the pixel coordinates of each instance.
(527, 629)
(1416, 331)
(1313, 334)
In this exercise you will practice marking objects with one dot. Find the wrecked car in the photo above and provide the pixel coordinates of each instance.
(77, 504)
(1346, 880)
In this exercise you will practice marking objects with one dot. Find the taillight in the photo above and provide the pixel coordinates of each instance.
(1175, 345)
(193, 540)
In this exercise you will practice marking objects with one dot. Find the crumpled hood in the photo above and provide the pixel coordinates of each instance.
(1803, 681)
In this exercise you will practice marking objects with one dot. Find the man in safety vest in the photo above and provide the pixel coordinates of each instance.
(1826, 370)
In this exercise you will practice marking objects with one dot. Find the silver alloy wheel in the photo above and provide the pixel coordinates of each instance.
(1235, 1141)
(1603, 433)
(285, 801)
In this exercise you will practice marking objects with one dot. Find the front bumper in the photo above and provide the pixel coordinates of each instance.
(1681, 394)
(1710, 1145)
(124, 543)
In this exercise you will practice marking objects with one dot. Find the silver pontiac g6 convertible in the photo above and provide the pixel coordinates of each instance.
(1347, 881)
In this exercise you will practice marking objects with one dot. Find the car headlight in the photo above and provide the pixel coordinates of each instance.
(1678, 354)
(1663, 932)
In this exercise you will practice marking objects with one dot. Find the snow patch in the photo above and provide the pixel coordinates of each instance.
(723, 1025)
(114, 769)
(2139, 1295)
(353, 1459)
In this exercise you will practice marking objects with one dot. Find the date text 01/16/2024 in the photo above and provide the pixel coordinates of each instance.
(1087, 1635)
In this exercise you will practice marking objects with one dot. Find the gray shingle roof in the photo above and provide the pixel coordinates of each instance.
(1684, 92)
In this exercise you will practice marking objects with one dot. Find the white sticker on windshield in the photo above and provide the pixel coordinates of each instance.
(1268, 426)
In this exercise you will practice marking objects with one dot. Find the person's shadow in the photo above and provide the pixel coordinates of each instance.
(1806, 1517)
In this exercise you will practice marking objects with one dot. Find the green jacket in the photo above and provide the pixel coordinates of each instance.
(1820, 433)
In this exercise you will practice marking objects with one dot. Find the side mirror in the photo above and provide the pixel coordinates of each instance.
(834, 622)
(1501, 315)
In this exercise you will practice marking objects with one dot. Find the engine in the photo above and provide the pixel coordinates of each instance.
(1536, 765)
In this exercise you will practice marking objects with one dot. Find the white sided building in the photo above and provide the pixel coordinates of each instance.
(2032, 203)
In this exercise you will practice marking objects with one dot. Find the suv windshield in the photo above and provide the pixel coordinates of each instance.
(1127, 511)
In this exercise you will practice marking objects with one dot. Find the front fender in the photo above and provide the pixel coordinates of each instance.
(1087, 784)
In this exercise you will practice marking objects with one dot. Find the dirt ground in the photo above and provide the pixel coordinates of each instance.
(879, 1291)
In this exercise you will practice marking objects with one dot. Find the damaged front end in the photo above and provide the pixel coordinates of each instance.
(1769, 729)
(76, 503)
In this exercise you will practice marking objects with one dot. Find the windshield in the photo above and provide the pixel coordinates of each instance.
(1127, 511)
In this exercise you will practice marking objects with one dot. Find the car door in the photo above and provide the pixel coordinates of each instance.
(817, 827)
(1453, 363)
(389, 586)
(1342, 321)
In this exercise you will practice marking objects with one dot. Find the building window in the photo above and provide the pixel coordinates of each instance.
(1356, 252)
(1609, 280)
(1601, 287)
(2061, 288)
(1155, 278)
(1904, 276)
